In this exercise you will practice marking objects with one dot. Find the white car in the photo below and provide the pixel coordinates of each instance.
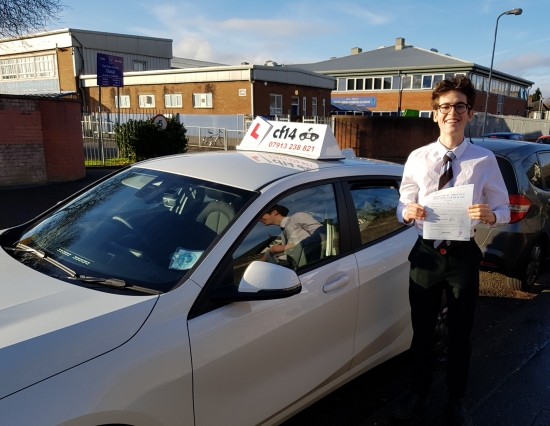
(144, 300)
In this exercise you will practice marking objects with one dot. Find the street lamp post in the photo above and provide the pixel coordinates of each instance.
(515, 11)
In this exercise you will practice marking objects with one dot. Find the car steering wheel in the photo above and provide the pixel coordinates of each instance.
(138, 234)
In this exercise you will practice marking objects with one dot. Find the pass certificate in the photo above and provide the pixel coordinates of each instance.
(447, 217)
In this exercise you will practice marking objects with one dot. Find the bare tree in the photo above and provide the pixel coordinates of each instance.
(21, 17)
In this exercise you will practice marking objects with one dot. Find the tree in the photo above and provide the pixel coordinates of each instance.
(536, 96)
(142, 139)
(21, 17)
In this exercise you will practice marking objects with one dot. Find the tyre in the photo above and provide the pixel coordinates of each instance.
(529, 271)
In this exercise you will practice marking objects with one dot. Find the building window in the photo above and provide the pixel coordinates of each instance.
(427, 82)
(124, 101)
(295, 105)
(275, 104)
(417, 81)
(368, 83)
(427, 114)
(351, 84)
(172, 100)
(202, 100)
(304, 103)
(28, 68)
(139, 65)
(377, 83)
(314, 107)
(341, 84)
(437, 79)
(387, 83)
(359, 84)
(406, 82)
(146, 101)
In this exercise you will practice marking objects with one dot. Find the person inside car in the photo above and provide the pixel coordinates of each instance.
(300, 236)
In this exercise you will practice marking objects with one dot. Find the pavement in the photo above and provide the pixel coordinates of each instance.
(510, 369)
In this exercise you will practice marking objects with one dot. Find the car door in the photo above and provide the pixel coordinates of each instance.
(383, 245)
(253, 359)
(544, 158)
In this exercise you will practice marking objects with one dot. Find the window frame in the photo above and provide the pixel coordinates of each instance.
(146, 104)
(208, 101)
(278, 101)
(203, 305)
(124, 98)
(171, 96)
(355, 235)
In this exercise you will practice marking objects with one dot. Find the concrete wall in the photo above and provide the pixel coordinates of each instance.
(40, 141)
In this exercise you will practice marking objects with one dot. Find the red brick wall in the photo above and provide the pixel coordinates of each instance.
(62, 136)
(40, 141)
(21, 149)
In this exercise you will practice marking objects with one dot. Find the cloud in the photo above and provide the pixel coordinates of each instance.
(526, 62)
(232, 40)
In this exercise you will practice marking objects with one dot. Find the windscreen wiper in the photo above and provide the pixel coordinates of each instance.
(42, 255)
(113, 282)
(73, 275)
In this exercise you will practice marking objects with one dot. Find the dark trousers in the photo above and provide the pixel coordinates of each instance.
(457, 274)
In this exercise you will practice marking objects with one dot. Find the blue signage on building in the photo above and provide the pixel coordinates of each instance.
(109, 70)
(364, 101)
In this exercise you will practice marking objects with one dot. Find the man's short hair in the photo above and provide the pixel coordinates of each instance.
(460, 83)
(282, 210)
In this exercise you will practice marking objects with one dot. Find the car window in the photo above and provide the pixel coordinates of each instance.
(533, 170)
(508, 174)
(310, 233)
(145, 227)
(545, 169)
(375, 208)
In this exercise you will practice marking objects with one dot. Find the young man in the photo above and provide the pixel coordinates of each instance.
(299, 228)
(450, 266)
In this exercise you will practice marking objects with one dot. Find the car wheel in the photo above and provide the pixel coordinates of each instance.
(529, 271)
(441, 336)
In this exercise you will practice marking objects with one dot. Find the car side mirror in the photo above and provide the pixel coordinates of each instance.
(261, 281)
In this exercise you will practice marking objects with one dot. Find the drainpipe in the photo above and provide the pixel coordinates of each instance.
(252, 92)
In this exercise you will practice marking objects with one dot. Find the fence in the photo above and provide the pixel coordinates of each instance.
(100, 147)
(530, 127)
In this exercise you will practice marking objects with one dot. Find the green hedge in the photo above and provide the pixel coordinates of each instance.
(142, 139)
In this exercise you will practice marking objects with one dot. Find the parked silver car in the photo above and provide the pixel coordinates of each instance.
(518, 249)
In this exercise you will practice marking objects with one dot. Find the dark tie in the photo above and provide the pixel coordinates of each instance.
(445, 178)
(446, 174)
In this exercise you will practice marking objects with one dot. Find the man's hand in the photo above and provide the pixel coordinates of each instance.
(278, 248)
(482, 212)
(414, 211)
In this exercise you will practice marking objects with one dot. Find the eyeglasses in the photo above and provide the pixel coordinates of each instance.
(460, 108)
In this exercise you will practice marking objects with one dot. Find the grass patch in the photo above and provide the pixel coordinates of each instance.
(108, 162)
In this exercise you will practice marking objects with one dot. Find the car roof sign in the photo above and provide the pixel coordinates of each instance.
(315, 141)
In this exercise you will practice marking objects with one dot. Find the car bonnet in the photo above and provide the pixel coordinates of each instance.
(48, 326)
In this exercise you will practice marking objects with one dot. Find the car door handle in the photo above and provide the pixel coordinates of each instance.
(340, 282)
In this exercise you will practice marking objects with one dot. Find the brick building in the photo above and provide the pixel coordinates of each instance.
(389, 80)
(219, 90)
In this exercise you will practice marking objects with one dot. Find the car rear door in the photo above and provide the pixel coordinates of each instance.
(251, 360)
(382, 246)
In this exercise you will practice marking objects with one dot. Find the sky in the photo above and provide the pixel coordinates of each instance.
(300, 31)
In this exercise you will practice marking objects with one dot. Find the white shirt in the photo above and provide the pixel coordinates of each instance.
(298, 227)
(473, 165)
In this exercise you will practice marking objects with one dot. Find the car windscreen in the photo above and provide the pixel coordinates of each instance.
(143, 227)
